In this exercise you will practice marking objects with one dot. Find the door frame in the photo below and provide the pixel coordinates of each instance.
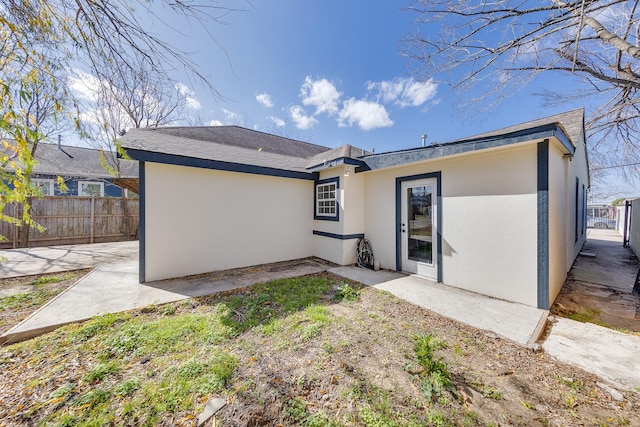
(399, 181)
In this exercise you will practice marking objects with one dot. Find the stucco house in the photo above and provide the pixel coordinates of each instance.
(501, 213)
(82, 170)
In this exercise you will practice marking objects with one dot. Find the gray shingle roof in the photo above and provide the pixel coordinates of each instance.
(76, 162)
(231, 144)
(565, 126)
(570, 121)
(240, 146)
(346, 151)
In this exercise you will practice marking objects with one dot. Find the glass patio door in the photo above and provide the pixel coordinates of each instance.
(418, 227)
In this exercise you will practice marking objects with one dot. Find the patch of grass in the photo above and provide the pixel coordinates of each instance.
(571, 383)
(346, 293)
(92, 398)
(492, 393)
(127, 387)
(328, 348)
(297, 412)
(27, 300)
(438, 418)
(100, 371)
(587, 315)
(53, 278)
(95, 326)
(376, 407)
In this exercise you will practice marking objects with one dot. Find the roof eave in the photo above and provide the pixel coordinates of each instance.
(399, 158)
(336, 162)
(179, 160)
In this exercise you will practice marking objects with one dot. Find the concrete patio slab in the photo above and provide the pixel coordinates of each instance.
(517, 322)
(52, 259)
(610, 354)
(603, 281)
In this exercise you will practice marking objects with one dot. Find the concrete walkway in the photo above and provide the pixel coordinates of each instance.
(610, 354)
(517, 322)
(52, 259)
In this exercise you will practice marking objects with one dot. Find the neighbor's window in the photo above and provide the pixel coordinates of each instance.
(44, 185)
(326, 199)
(90, 189)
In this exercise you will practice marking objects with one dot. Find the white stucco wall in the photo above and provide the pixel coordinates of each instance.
(563, 247)
(577, 167)
(561, 214)
(215, 220)
(489, 220)
(351, 218)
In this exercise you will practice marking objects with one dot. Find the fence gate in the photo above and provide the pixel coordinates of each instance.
(602, 216)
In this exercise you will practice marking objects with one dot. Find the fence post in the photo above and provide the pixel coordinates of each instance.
(15, 225)
(92, 227)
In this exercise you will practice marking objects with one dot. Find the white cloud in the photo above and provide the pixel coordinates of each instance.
(366, 114)
(301, 120)
(215, 122)
(264, 99)
(404, 92)
(233, 117)
(321, 94)
(189, 96)
(277, 121)
(84, 85)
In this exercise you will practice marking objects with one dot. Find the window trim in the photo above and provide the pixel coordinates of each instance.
(316, 206)
(37, 181)
(101, 184)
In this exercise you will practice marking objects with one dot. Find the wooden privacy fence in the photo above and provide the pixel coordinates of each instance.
(74, 220)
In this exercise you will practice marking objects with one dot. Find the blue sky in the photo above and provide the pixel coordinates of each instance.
(332, 73)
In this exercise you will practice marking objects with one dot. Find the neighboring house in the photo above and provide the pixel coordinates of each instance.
(501, 213)
(82, 171)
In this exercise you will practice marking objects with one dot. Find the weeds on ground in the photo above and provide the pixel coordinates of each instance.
(54, 278)
(159, 366)
(346, 293)
(38, 296)
(587, 315)
(26, 300)
(435, 377)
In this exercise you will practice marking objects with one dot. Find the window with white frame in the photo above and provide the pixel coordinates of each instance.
(327, 200)
(44, 186)
(90, 188)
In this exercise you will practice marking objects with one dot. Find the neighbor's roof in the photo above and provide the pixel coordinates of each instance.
(220, 146)
(76, 162)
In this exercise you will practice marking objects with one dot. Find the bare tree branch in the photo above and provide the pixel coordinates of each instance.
(501, 45)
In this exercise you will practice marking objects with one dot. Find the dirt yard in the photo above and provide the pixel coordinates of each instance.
(343, 363)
